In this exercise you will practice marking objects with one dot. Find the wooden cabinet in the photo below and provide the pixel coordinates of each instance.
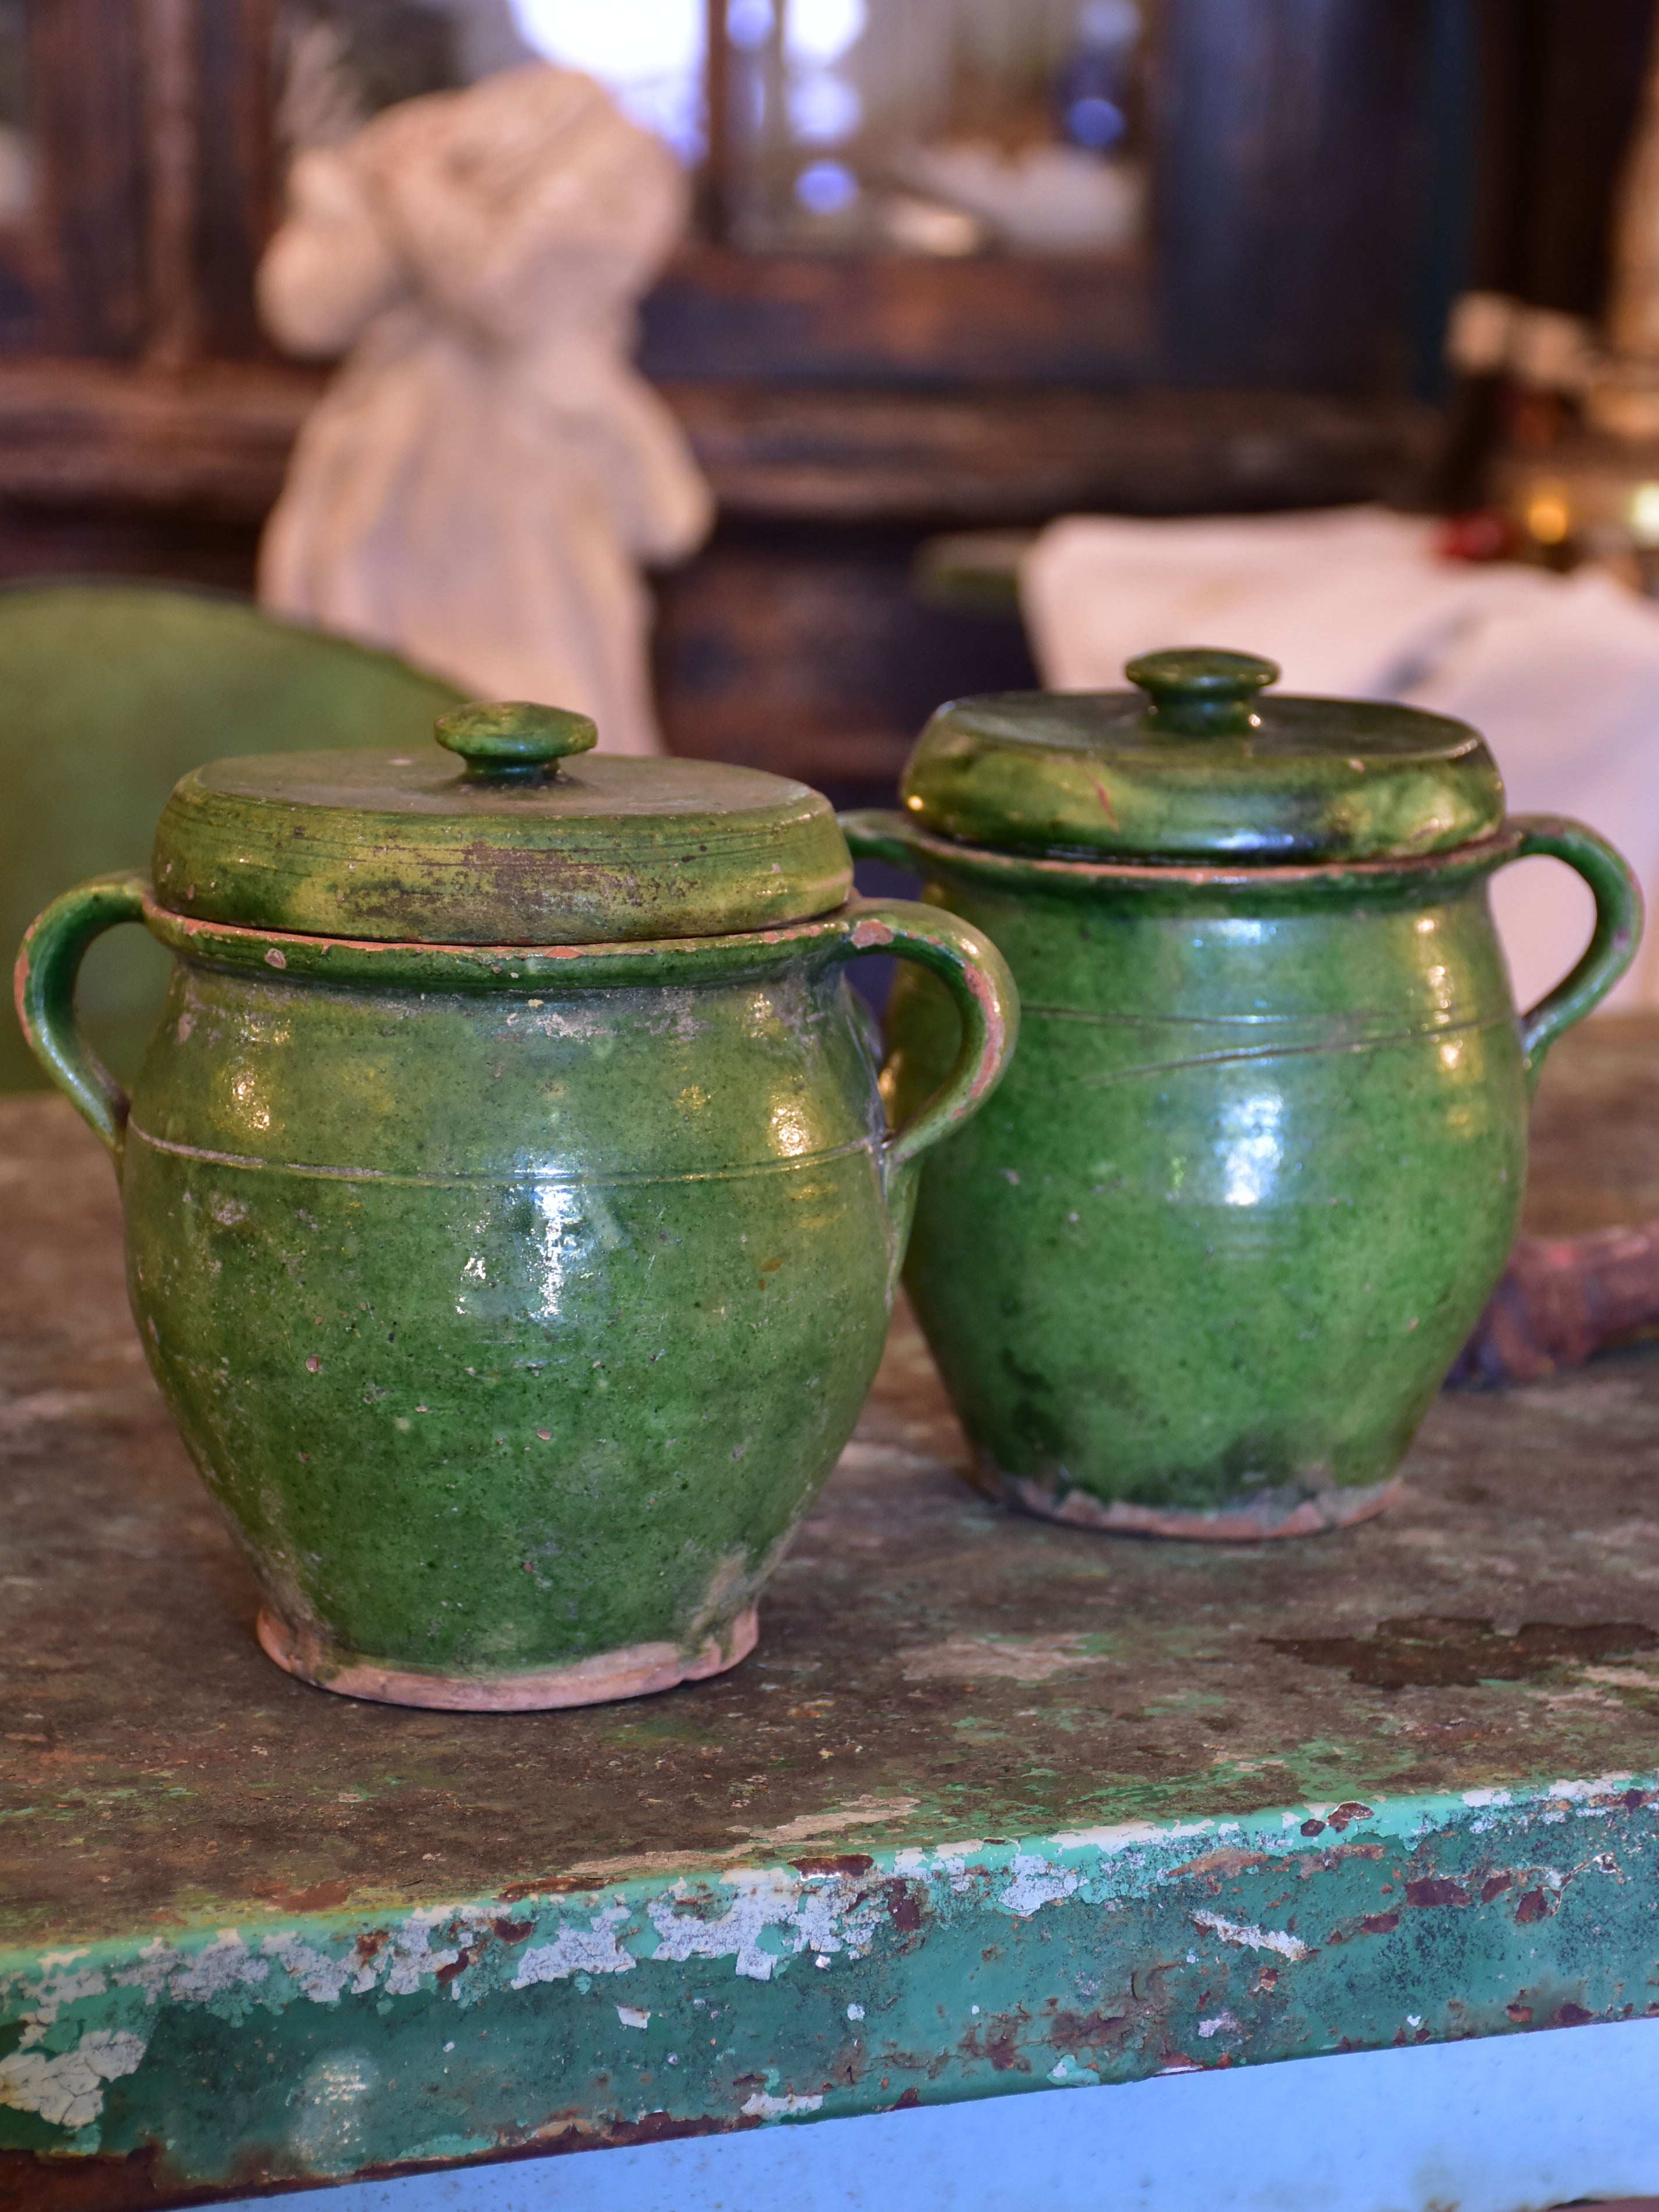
(1260, 348)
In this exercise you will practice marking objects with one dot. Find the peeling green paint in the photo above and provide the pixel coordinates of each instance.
(838, 1983)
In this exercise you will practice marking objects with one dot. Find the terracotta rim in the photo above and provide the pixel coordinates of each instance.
(637, 1670)
(1259, 1516)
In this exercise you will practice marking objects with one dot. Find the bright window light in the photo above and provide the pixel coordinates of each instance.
(749, 23)
(826, 188)
(824, 109)
(821, 30)
(627, 42)
(1104, 23)
(1092, 121)
(648, 53)
(1644, 514)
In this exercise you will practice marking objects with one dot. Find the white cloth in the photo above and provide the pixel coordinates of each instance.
(478, 485)
(1559, 674)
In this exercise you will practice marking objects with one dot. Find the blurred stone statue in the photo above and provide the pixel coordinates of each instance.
(482, 478)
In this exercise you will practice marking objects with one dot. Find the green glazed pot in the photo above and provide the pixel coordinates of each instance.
(1202, 1265)
(513, 1300)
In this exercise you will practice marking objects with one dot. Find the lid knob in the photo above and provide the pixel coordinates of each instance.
(513, 737)
(1201, 691)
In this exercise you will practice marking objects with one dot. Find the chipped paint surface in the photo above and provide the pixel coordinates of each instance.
(836, 1983)
(67, 2090)
(1252, 1938)
(819, 1917)
(590, 1950)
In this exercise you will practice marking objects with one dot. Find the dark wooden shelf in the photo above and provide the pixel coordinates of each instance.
(214, 439)
(901, 319)
(1023, 454)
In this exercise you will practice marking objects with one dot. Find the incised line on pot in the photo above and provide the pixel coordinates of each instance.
(530, 1177)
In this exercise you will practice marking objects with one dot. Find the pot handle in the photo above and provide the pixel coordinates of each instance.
(43, 984)
(1613, 944)
(976, 976)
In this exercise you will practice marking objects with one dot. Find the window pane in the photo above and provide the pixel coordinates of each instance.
(937, 126)
(649, 53)
(941, 127)
(342, 61)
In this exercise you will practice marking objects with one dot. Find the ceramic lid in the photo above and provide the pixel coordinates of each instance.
(1197, 764)
(521, 839)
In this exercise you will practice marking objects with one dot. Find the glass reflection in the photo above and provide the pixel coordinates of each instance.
(1251, 1148)
(788, 1131)
(559, 1210)
(934, 127)
(940, 127)
(250, 1103)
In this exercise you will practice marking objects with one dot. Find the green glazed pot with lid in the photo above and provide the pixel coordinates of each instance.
(1202, 1265)
(512, 1216)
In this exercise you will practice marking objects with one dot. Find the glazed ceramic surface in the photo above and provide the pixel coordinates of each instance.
(1203, 1263)
(513, 1300)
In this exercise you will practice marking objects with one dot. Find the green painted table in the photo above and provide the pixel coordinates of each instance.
(997, 1806)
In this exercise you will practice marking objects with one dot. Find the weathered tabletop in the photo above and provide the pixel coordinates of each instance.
(996, 1805)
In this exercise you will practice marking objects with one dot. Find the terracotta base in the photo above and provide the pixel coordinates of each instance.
(1284, 1510)
(636, 1671)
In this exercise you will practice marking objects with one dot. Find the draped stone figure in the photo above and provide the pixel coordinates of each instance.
(480, 483)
